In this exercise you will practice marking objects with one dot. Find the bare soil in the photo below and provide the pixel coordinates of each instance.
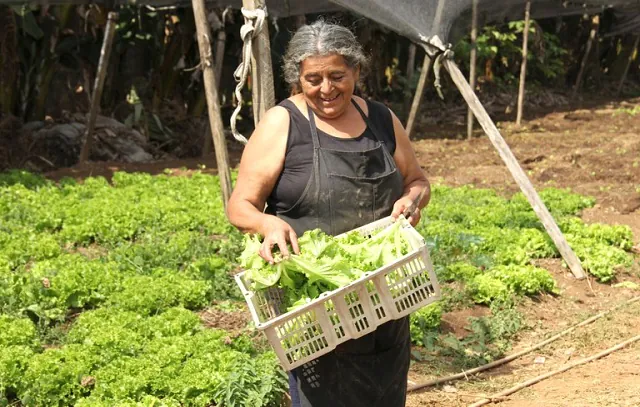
(594, 149)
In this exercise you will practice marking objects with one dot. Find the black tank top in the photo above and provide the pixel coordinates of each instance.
(299, 154)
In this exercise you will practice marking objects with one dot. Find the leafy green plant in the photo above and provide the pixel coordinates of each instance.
(423, 321)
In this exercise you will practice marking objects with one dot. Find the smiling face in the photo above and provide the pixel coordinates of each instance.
(327, 84)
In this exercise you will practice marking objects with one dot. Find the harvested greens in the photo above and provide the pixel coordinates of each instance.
(325, 262)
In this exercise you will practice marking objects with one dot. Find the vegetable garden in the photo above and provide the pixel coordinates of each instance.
(103, 284)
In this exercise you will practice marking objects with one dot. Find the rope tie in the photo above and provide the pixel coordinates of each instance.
(438, 52)
(253, 22)
(437, 66)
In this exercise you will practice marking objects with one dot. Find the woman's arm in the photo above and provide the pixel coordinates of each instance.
(416, 186)
(261, 164)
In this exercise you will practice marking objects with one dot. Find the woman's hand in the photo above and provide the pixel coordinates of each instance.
(408, 207)
(277, 232)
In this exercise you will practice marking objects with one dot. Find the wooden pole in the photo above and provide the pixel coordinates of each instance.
(98, 85)
(221, 39)
(410, 72)
(411, 61)
(473, 62)
(523, 66)
(211, 93)
(629, 62)
(516, 171)
(592, 35)
(417, 98)
(426, 67)
(262, 90)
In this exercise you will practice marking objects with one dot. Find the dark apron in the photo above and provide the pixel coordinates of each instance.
(347, 190)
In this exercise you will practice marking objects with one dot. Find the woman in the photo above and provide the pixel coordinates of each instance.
(325, 158)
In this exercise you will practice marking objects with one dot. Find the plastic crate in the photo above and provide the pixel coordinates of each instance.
(349, 312)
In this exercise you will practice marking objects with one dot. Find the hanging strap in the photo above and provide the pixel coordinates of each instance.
(314, 129)
(247, 33)
(368, 122)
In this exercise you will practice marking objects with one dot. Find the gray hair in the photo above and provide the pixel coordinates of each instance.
(320, 39)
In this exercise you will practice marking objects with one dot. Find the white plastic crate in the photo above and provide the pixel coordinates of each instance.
(349, 312)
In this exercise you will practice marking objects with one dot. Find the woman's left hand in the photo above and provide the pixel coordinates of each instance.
(407, 207)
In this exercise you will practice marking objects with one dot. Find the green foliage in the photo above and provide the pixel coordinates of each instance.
(488, 339)
(619, 236)
(159, 291)
(477, 228)
(50, 288)
(459, 271)
(109, 276)
(13, 362)
(325, 262)
(524, 280)
(17, 331)
(55, 376)
(503, 45)
(134, 259)
(423, 321)
(25, 178)
(486, 289)
(599, 259)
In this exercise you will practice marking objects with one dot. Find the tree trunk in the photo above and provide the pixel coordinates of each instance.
(595, 22)
(211, 89)
(99, 84)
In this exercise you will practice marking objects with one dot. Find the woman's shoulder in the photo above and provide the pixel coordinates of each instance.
(377, 107)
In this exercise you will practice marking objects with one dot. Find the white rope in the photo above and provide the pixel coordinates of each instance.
(253, 22)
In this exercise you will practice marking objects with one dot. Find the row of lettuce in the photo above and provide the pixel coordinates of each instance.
(101, 284)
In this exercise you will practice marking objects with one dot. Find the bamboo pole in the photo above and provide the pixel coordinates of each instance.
(473, 62)
(98, 85)
(417, 98)
(467, 373)
(262, 90)
(542, 377)
(523, 66)
(634, 52)
(213, 104)
(516, 171)
(595, 22)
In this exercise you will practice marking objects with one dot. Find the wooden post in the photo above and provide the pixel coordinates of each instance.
(410, 72)
(592, 35)
(213, 104)
(523, 66)
(411, 61)
(516, 171)
(98, 85)
(632, 56)
(261, 69)
(473, 62)
(426, 67)
(221, 39)
(417, 98)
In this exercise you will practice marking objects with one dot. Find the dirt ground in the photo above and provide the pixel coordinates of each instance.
(593, 149)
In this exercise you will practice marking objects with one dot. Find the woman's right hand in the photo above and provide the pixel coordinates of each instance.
(276, 231)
